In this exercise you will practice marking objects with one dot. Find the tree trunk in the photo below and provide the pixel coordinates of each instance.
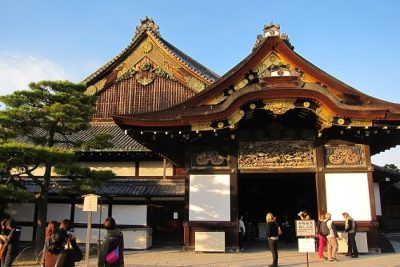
(41, 221)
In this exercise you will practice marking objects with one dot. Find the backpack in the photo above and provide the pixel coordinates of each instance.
(323, 229)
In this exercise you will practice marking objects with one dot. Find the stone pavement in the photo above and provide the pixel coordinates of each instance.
(251, 257)
(177, 257)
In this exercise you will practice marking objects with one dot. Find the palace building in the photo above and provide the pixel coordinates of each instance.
(193, 151)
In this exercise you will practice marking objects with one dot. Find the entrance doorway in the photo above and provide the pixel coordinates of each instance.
(283, 194)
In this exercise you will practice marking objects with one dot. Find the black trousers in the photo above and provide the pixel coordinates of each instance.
(241, 239)
(351, 244)
(273, 246)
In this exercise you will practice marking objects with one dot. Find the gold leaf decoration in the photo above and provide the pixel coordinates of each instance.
(279, 106)
(195, 84)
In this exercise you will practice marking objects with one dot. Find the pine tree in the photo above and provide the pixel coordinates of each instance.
(35, 144)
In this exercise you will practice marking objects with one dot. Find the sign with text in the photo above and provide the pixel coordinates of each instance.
(305, 228)
(306, 245)
(90, 202)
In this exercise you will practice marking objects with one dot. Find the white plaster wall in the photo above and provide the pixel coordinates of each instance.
(23, 212)
(348, 192)
(82, 216)
(118, 168)
(58, 211)
(130, 214)
(154, 168)
(378, 205)
(209, 198)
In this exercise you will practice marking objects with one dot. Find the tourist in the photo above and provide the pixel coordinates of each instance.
(320, 237)
(112, 249)
(272, 235)
(11, 241)
(56, 253)
(304, 215)
(51, 228)
(242, 233)
(331, 238)
(350, 229)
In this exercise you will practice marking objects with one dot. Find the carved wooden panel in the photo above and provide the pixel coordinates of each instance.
(276, 154)
(209, 159)
(345, 156)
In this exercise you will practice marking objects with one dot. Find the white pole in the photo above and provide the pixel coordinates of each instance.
(89, 226)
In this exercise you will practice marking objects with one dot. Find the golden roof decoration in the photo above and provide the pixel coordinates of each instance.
(147, 24)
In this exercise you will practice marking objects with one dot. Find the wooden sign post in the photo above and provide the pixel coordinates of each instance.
(306, 228)
(89, 205)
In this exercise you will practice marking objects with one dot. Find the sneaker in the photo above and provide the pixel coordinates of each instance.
(354, 256)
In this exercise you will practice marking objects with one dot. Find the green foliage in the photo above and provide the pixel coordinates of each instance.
(49, 107)
(12, 193)
(41, 119)
(100, 141)
(392, 167)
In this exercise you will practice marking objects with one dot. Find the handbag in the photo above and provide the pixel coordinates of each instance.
(113, 256)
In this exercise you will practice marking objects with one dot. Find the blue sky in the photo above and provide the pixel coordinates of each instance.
(355, 41)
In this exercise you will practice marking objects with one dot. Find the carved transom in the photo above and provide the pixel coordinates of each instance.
(276, 154)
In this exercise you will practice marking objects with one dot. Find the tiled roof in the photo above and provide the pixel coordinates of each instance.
(120, 140)
(146, 187)
(191, 63)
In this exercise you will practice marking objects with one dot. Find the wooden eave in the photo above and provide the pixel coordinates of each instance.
(196, 109)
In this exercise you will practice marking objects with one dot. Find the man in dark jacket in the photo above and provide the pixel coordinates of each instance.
(350, 229)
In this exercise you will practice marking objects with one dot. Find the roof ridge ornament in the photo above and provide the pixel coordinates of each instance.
(272, 30)
(147, 24)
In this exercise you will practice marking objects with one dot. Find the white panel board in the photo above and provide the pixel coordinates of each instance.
(82, 216)
(27, 233)
(130, 214)
(94, 235)
(348, 192)
(209, 198)
(21, 212)
(58, 211)
(137, 238)
(209, 241)
(361, 241)
(377, 194)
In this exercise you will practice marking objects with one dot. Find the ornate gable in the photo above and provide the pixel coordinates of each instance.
(149, 56)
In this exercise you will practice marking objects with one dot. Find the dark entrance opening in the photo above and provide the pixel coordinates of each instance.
(283, 194)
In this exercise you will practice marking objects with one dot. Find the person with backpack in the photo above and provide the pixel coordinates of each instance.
(331, 238)
(350, 229)
(321, 236)
(111, 252)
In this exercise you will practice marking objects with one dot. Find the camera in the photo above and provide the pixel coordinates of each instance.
(70, 233)
(300, 213)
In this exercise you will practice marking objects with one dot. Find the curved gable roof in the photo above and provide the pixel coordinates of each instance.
(257, 77)
(176, 63)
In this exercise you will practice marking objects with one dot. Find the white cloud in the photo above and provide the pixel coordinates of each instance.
(18, 70)
(391, 156)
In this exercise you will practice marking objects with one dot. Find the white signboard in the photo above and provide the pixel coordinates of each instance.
(306, 244)
(305, 228)
(90, 202)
